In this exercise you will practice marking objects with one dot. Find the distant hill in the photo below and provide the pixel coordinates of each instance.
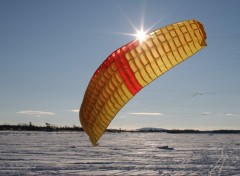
(187, 131)
(151, 129)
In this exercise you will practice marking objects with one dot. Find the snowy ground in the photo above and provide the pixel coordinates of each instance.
(70, 153)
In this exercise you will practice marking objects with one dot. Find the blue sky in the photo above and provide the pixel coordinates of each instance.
(49, 50)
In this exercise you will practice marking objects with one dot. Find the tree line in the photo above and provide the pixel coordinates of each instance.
(49, 127)
(31, 127)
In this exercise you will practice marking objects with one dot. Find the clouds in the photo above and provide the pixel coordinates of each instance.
(206, 113)
(74, 110)
(221, 114)
(146, 113)
(43, 113)
(166, 114)
(36, 113)
(231, 115)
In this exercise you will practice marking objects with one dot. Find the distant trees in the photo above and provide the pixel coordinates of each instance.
(31, 127)
(49, 127)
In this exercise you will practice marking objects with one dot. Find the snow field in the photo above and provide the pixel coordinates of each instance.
(71, 153)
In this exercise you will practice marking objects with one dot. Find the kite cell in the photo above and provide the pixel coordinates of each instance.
(133, 66)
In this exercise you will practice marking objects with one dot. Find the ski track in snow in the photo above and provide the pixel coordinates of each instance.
(71, 153)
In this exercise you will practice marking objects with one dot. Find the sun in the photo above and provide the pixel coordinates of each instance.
(141, 35)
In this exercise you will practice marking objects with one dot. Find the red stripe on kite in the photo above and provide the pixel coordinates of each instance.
(125, 70)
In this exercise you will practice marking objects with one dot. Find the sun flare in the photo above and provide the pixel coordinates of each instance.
(141, 35)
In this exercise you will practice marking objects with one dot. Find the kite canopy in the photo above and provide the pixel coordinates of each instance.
(133, 66)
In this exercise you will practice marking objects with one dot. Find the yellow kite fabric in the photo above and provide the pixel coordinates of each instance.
(133, 66)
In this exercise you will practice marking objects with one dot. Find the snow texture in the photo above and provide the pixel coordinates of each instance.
(71, 153)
